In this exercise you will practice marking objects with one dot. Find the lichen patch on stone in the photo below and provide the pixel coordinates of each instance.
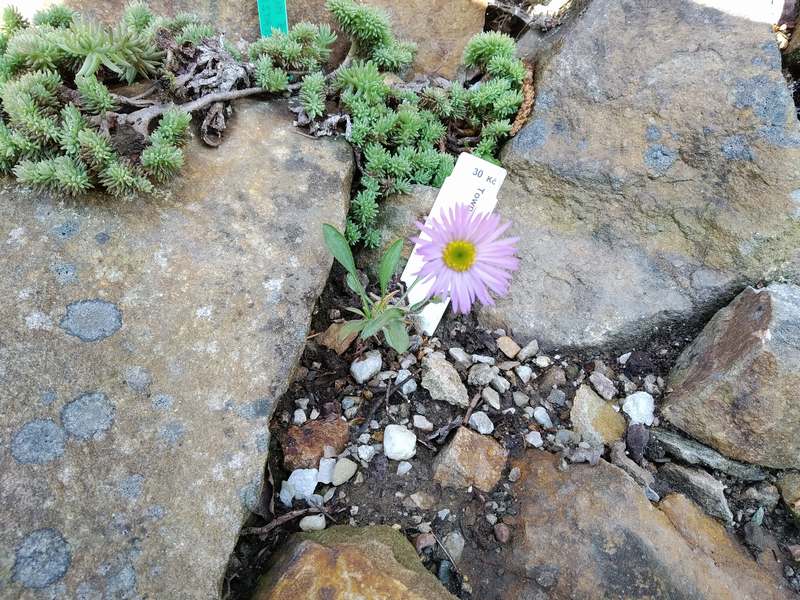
(92, 320)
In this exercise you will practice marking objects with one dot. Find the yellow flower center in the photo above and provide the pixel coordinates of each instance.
(459, 255)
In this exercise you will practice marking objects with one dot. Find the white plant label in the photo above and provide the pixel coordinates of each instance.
(473, 181)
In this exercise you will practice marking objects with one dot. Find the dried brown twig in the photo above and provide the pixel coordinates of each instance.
(278, 521)
(528, 97)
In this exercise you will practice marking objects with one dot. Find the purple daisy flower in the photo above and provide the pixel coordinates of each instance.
(465, 258)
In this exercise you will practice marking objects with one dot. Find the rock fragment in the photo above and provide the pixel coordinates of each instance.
(305, 445)
(343, 471)
(694, 453)
(481, 422)
(508, 346)
(470, 459)
(312, 523)
(594, 419)
(603, 385)
(399, 443)
(367, 367)
(442, 381)
(700, 487)
(639, 406)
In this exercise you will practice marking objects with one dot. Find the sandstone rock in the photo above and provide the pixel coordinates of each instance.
(789, 485)
(693, 453)
(442, 381)
(589, 532)
(136, 392)
(314, 11)
(700, 487)
(508, 346)
(348, 562)
(305, 445)
(643, 195)
(235, 18)
(441, 34)
(594, 418)
(735, 387)
(470, 459)
(440, 29)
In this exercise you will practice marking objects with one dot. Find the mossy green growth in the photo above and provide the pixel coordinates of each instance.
(49, 135)
(305, 48)
(401, 134)
(371, 34)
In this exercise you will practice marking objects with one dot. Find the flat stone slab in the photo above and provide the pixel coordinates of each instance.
(653, 181)
(143, 344)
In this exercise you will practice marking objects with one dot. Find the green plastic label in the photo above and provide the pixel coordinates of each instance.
(272, 15)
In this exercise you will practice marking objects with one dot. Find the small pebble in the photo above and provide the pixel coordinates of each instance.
(481, 375)
(525, 373)
(542, 417)
(639, 406)
(501, 384)
(312, 523)
(410, 386)
(365, 369)
(491, 397)
(508, 346)
(530, 349)
(557, 397)
(422, 423)
(424, 540)
(299, 417)
(502, 533)
(651, 494)
(603, 385)
(481, 422)
(543, 361)
(520, 399)
(407, 360)
(514, 474)
(366, 453)
(403, 468)
(461, 357)
(303, 482)
(486, 360)
(343, 471)
(534, 438)
(399, 443)
(453, 542)
(325, 471)
(491, 519)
